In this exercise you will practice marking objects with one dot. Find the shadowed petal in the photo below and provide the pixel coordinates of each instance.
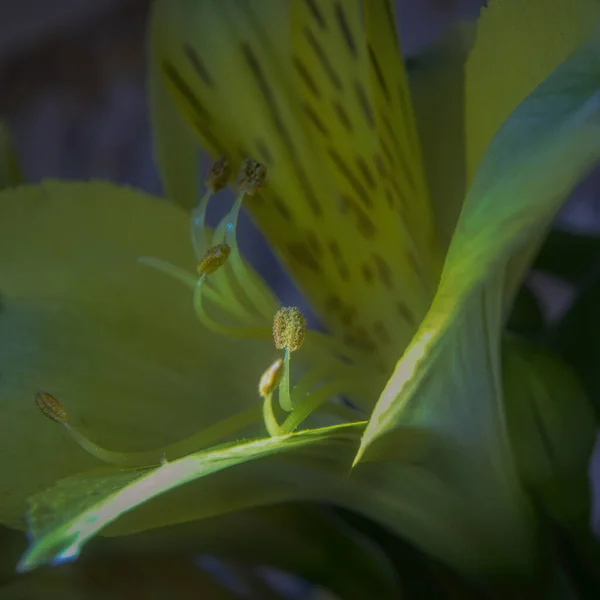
(115, 341)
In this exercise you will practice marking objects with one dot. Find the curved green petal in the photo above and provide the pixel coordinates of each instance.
(552, 428)
(63, 518)
(517, 45)
(115, 341)
(311, 465)
(448, 382)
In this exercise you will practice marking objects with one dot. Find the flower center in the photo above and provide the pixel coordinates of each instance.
(230, 298)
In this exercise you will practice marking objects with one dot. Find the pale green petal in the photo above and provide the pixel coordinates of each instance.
(448, 381)
(115, 341)
(518, 44)
(62, 519)
(311, 465)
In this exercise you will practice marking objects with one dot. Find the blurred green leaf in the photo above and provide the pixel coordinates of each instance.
(577, 336)
(551, 427)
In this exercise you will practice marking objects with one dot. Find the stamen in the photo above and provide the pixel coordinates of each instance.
(218, 176)
(209, 436)
(289, 328)
(215, 181)
(251, 176)
(214, 258)
(51, 407)
(266, 387)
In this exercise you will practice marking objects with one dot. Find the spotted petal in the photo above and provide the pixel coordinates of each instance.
(316, 90)
(115, 341)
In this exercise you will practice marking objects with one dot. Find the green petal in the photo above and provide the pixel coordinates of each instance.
(552, 429)
(516, 47)
(116, 342)
(62, 519)
(448, 382)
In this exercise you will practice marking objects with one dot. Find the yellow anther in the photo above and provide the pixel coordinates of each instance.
(251, 176)
(270, 378)
(289, 327)
(51, 407)
(213, 259)
(218, 176)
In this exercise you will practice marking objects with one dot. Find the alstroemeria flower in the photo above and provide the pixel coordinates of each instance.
(318, 93)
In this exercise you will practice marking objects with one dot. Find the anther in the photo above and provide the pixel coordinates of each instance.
(289, 327)
(218, 176)
(251, 176)
(51, 407)
(213, 259)
(270, 378)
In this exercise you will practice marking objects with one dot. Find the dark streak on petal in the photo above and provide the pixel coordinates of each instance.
(381, 332)
(365, 104)
(184, 90)
(322, 58)
(384, 271)
(338, 258)
(306, 76)
(316, 13)
(314, 243)
(364, 225)
(343, 116)
(366, 173)
(198, 66)
(303, 255)
(264, 152)
(379, 75)
(281, 207)
(391, 19)
(345, 29)
(356, 185)
(315, 120)
(367, 273)
(405, 313)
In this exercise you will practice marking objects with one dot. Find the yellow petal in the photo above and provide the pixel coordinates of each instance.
(321, 98)
(518, 44)
(115, 341)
